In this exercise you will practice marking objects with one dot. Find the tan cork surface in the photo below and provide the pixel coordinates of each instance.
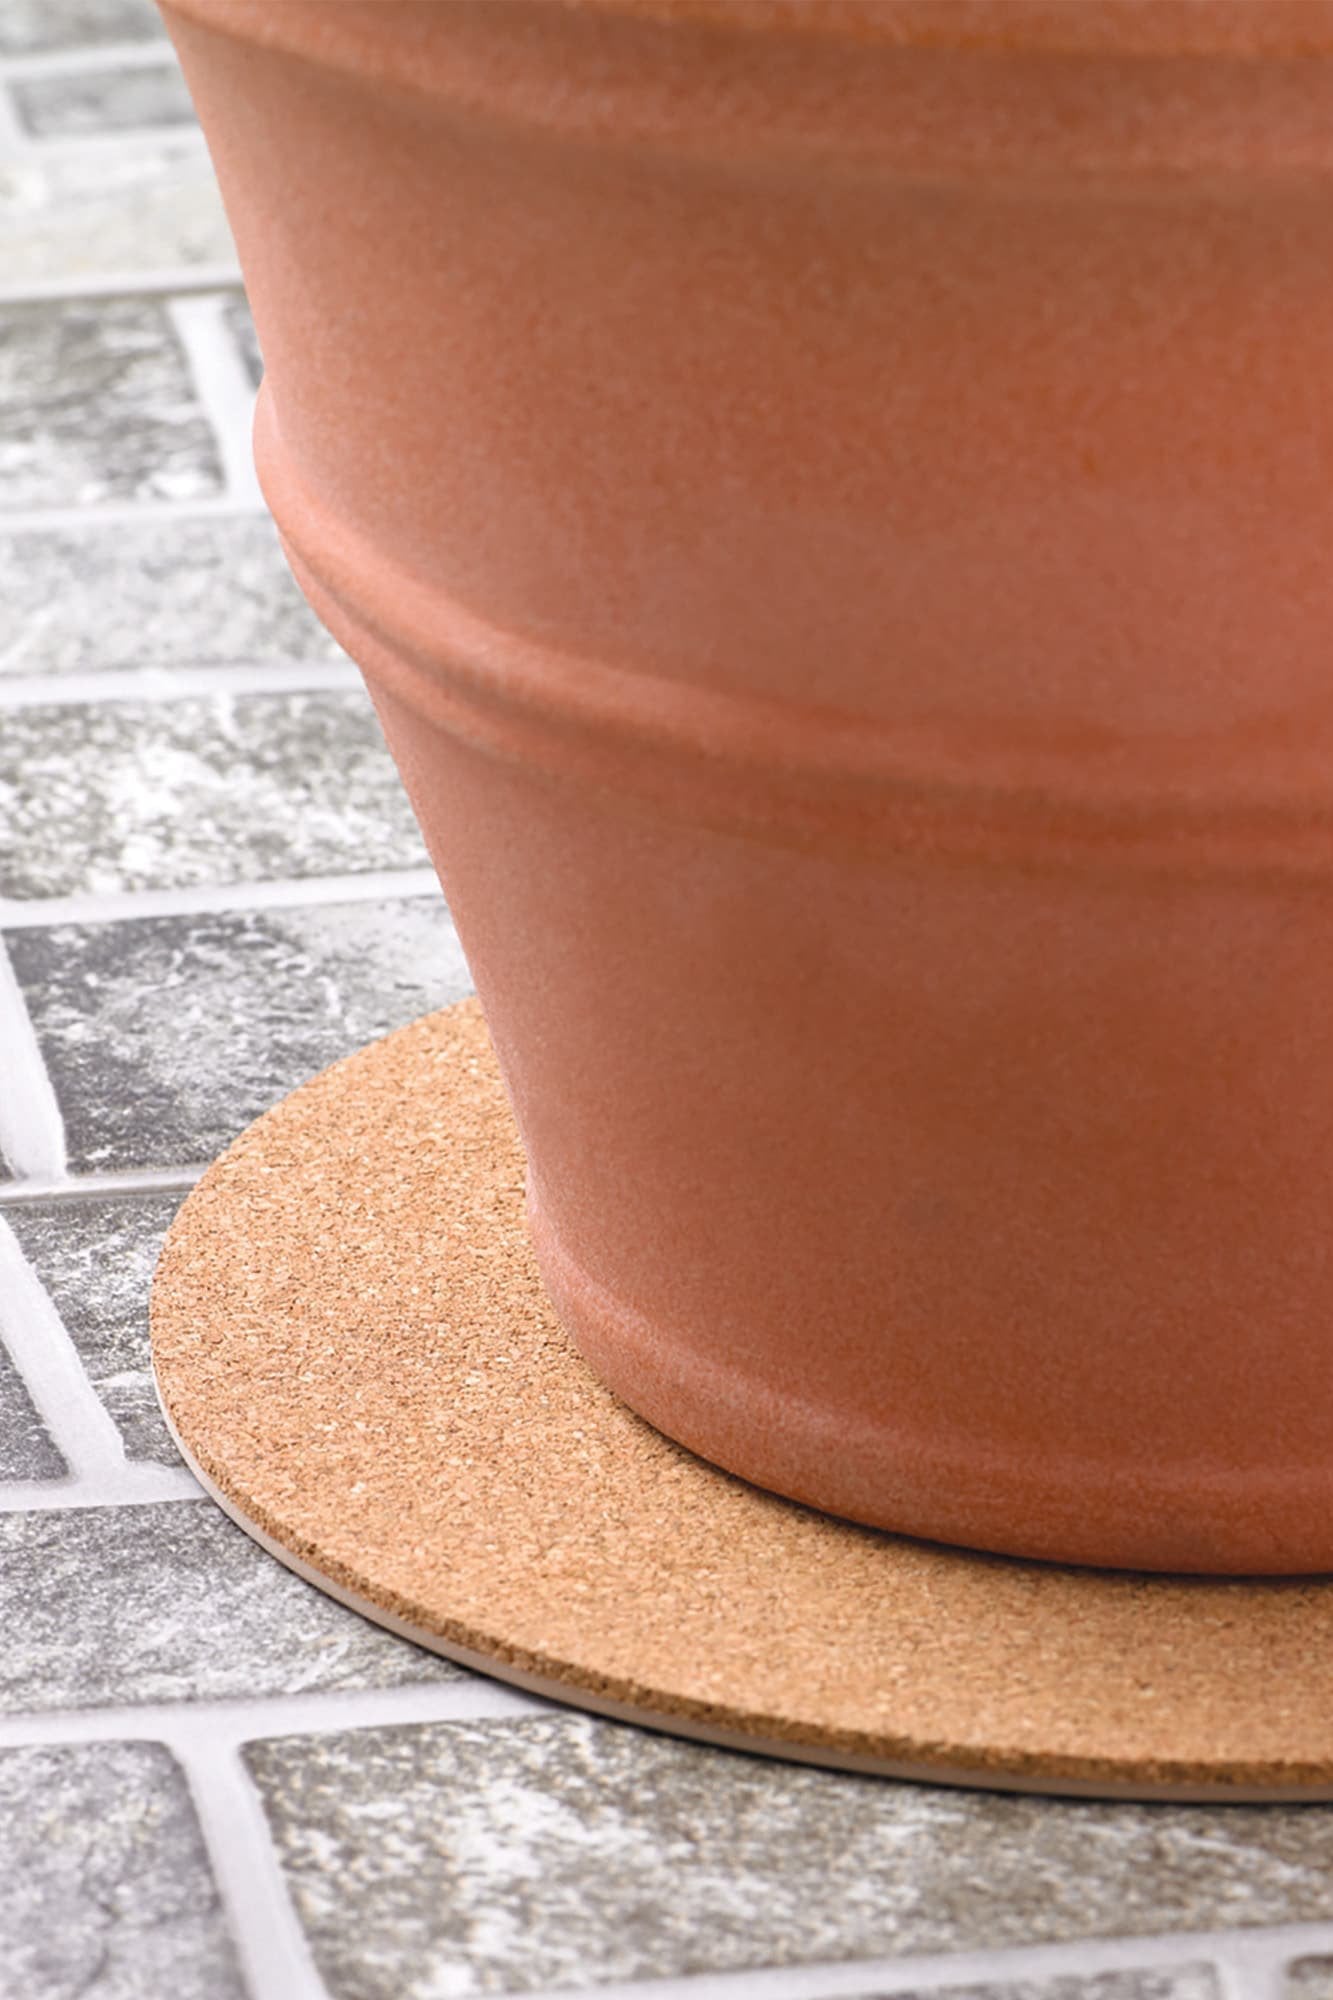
(353, 1345)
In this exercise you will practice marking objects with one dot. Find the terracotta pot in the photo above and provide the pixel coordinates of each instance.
(833, 502)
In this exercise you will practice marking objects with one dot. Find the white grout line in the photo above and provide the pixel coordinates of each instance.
(75, 1187)
(32, 1131)
(224, 387)
(935, 1971)
(129, 513)
(206, 1728)
(178, 683)
(275, 1955)
(205, 1736)
(989, 1967)
(1255, 1969)
(184, 279)
(137, 1484)
(74, 1416)
(213, 898)
(1234, 1979)
(227, 1724)
(157, 54)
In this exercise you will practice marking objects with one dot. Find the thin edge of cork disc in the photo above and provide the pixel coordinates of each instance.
(355, 1357)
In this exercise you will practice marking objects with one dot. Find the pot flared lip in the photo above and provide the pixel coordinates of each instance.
(1242, 29)
(1061, 94)
(1238, 28)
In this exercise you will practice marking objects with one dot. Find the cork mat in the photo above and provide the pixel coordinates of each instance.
(355, 1352)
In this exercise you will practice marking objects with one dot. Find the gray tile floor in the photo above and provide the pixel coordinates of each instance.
(213, 1781)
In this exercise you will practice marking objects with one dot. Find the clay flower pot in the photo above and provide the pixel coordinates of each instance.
(834, 504)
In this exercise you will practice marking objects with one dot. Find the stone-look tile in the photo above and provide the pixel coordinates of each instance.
(89, 214)
(505, 1856)
(97, 403)
(105, 1887)
(1167, 1982)
(163, 593)
(166, 1035)
(96, 1258)
(75, 103)
(166, 1602)
(172, 794)
(1310, 1979)
(26, 1452)
(32, 27)
(241, 327)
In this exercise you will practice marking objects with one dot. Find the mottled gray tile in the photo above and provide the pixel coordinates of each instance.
(97, 403)
(163, 593)
(221, 788)
(504, 1856)
(240, 325)
(76, 102)
(1310, 1979)
(89, 213)
(171, 1602)
(26, 1451)
(32, 27)
(96, 1258)
(1165, 1982)
(105, 1887)
(165, 1036)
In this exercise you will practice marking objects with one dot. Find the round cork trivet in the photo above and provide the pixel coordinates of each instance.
(355, 1352)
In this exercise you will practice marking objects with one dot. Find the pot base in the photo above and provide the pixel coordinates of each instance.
(356, 1355)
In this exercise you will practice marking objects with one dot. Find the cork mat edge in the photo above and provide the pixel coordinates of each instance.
(732, 1723)
(551, 1688)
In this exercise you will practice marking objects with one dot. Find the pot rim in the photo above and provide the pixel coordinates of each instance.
(1244, 30)
(1064, 94)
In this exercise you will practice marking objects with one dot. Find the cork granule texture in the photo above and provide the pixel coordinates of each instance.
(352, 1342)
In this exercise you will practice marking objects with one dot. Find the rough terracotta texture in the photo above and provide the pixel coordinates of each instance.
(834, 511)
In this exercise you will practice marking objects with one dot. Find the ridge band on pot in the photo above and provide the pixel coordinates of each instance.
(1241, 803)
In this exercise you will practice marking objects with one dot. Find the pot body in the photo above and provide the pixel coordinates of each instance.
(833, 505)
